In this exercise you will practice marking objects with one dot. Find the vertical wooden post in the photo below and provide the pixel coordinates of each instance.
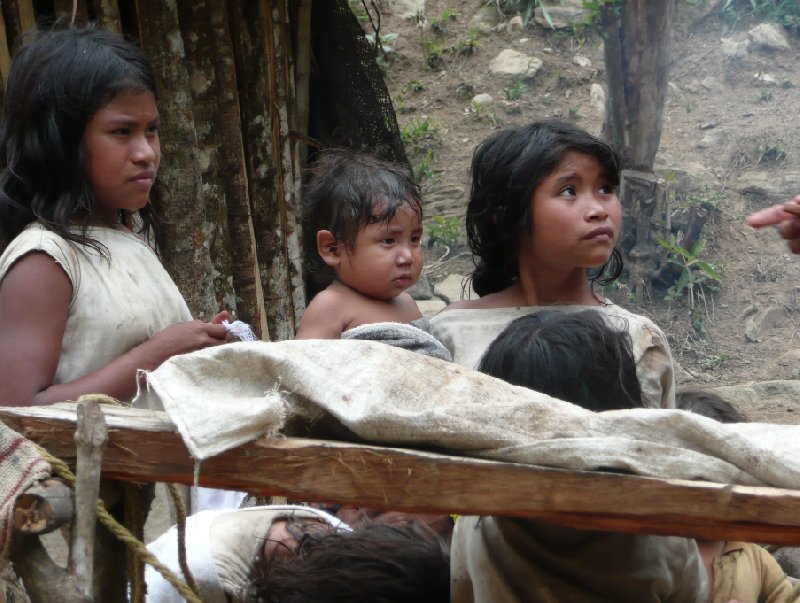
(91, 436)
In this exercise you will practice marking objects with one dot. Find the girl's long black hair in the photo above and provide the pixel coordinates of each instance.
(506, 169)
(56, 84)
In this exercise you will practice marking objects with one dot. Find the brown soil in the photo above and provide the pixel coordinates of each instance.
(717, 117)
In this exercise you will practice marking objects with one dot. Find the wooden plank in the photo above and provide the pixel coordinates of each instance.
(143, 445)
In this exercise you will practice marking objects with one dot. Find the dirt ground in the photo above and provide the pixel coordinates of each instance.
(729, 144)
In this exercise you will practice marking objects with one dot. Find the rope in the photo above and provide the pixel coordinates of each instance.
(61, 469)
(180, 511)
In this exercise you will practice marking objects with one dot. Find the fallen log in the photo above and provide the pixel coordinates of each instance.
(144, 446)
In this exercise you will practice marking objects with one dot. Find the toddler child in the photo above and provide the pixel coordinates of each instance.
(362, 220)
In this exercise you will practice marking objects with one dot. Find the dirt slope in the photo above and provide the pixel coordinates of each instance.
(729, 143)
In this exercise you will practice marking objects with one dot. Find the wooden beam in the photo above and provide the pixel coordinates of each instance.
(143, 445)
(43, 508)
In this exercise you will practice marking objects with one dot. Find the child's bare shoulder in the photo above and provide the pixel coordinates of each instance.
(325, 317)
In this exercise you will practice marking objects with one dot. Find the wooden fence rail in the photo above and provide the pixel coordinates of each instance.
(144, 446)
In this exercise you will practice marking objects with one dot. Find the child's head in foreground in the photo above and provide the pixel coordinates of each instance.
(374, 563)
(362, 222)
(574, 357)
(57, 165)
(507, 169)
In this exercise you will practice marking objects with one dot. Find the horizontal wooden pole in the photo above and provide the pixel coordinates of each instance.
(143, 446)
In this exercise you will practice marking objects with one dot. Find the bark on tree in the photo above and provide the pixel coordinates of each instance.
(636, 34)
(266, 92)
(108, 15)
(212, 74)
(637, 57)
(19, 17)
(188, 233)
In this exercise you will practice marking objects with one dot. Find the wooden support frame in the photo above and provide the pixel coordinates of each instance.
(143, 445)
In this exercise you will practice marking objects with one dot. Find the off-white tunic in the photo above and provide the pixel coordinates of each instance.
(468, 332)
(117, 302)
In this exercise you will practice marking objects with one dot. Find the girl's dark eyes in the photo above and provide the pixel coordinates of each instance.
(608, 189)
(567, 191)
(388, 241)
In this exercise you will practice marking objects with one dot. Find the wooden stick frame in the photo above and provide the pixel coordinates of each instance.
(144, 446)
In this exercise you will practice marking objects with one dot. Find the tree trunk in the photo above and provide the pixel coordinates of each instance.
(19, 18)
(266, 91)
(637, 57)
(188, 234)
(643, 199)
(108, 15)
(209, 51)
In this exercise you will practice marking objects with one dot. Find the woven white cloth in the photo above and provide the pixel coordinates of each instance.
(224, 396)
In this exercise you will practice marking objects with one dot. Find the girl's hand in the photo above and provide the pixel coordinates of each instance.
(785, 216)
(185, 337)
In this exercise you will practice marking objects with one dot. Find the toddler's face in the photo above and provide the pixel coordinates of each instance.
(386, 258)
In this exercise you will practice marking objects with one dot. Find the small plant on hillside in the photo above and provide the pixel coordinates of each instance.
(783, 12)
(764, 95)
(439, 26)
(420, 129)
(486, 113)
(697, 275)
(414, 86)
(770, 150)
(514, 91)
(423, 169)
(444, 232)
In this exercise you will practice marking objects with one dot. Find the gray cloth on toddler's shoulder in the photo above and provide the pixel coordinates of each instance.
(414, 336)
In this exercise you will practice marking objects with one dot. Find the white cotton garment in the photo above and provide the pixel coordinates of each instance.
(118, 300)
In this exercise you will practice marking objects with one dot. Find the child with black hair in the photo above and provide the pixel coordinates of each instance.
(741, 571)
(362, 223)
(282, 554)
(542, 221)
(579, 358)
(84, 302)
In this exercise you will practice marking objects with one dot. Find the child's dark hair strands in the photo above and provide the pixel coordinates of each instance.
(346, 191)
(575, 357)
(57, 82)
(506, 170)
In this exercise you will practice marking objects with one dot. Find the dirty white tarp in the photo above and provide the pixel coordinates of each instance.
(225, 396)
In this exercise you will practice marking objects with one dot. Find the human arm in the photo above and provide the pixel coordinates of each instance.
(34, 305)
(785, 216)
(323, 317)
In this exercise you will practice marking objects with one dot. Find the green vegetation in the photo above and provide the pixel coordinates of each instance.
(515, 90)
(782, 12)
(696, 276)
(423, 169)
(764, 95)
(414, 86)
(444, 231)
(419, 130)
(770, 150)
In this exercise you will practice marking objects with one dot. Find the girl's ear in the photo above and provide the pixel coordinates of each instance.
(328, 248)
